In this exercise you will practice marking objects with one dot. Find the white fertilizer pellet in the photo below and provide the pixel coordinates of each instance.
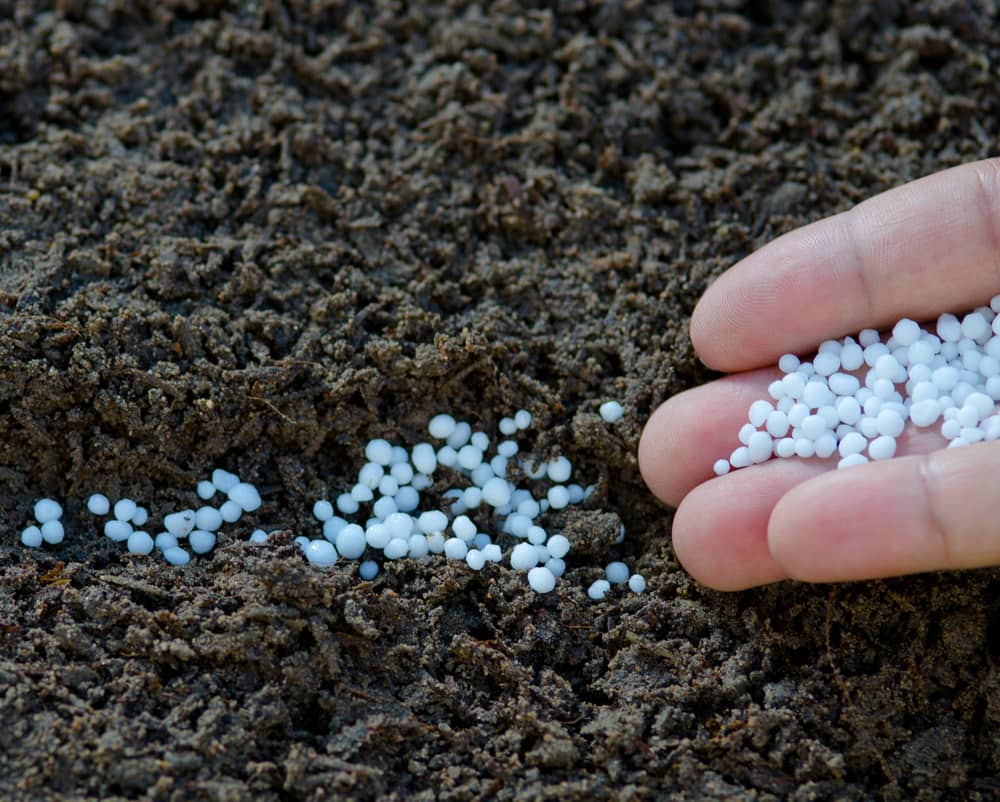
(854, 400)
(31, 537)
(541, 580)
(47, 510)
(396, 495)
(98, 504)
(611, 411)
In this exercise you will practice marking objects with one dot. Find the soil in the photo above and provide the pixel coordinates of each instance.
(254, 235)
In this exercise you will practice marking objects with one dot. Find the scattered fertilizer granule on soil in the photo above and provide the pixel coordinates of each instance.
(480, 499)
(855, 398)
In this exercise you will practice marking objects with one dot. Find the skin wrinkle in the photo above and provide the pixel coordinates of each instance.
(989, 206)
(930, 476)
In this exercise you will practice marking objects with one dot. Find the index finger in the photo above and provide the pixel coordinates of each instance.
(916, 251)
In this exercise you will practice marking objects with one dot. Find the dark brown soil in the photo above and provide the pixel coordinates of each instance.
(256, 235)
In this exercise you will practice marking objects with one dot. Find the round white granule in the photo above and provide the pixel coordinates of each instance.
(205, 490)
(388, 485)
(518, 525)
(125, 509)
(758, 412)
(826, 445)
(492, 553)
(637, 583)
(844, 384)
(140, 543)
(31, 536)
(558, 496)
(721, 467)
(378, 536)
(301, 541)
(611, 411)
(559, 470)
(432, 521)
(759, 448)
(140, 517)
(98, 504)
(397, 548)
(351, 542)
(368, 570)
(868, 337)
(208, 519)
(400, 524)
(224, 481)
(852, 443)
(346, 504)
(617, 573)
(798, 413)
(827, 363)
(455, 548)
(469, 457)
(777, 424)
(522, 418)
(558, 546)
(481, 474)
(537, 535)
(424, 458)
(362, 494)
(461, 435)
(744, 433)
(321, 553)
(421, 481)
(925, 413)
(817, 394)
(788, 363)
(852, 460)
(379, 451)
(890, 423)
(507, 426)
(740, 458)
(541, 580)
(813, 426)
(258, 537)
(322, 510)
(777, 390)
(480, 440)
(556, 565)
(475, 559)
(906, 331)
(599, 589)
(246, 496)
(407, 499)
(384, 507)
(883, 447)
(785, 447)
(975, 327)
(419, 547)
(175, 555)
(402, 473)
(523, 557)
(165, 541)
(852, 356)
(230, 511)
(47, 510)
(202, 542)
(371, 474)
(119, 531)
(805, 448)
(508, 449)
(496, 492)
(464, 528)
(447, 456)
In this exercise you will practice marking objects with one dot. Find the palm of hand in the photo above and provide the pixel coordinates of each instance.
(919, 250)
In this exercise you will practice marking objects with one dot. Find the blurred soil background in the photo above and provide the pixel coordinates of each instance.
(255, 235)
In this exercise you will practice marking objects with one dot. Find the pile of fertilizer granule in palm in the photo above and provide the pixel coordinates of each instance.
(855, 398)
(481, 514)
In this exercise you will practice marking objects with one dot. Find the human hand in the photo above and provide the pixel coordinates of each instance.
(929, 247)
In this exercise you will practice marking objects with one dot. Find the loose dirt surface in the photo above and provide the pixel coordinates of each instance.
(256, 235)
